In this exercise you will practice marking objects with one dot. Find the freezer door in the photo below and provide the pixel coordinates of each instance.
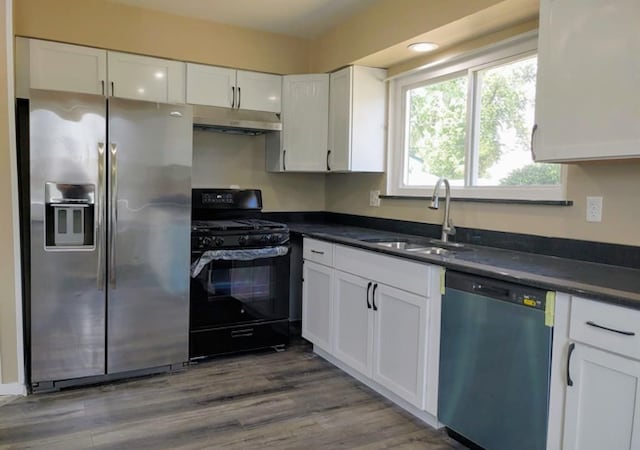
(149, 217)
(67, 303)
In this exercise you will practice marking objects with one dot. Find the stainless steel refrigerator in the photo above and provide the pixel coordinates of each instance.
(109, 197)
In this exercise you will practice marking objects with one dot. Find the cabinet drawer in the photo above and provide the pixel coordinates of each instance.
(605, 326)
(396, 272)
(318, 251)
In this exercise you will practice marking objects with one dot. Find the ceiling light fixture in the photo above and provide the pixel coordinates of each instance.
(423, 46)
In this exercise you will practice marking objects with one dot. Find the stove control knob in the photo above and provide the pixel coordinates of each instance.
(275, 238)
(205, 241)
(242, 240)
(218, 241)
(265, 239)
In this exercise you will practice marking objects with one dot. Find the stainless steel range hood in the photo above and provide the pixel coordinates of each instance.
(236, 121)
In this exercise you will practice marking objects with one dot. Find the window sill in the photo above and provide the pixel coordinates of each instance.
(483, 200)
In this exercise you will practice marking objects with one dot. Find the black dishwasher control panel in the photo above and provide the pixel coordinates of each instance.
(531, 297)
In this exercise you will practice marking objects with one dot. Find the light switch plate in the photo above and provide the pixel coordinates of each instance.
(374, 198)
(594, 209)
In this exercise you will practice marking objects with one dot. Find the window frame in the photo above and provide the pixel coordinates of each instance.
(504, 52)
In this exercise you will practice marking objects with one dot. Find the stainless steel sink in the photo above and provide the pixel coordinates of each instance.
(449, 245)
(414, 247)
(431, 251)
(401, 245)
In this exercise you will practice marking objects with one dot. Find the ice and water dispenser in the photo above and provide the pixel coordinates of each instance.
(69, 216)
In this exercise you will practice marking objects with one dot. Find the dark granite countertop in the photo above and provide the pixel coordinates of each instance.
(607, 283)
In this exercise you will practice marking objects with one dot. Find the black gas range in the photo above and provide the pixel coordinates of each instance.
(239, 233)
(239, 297)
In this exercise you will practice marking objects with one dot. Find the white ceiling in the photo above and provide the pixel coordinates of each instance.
(301, 18)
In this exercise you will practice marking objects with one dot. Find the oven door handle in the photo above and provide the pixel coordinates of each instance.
(249, 254)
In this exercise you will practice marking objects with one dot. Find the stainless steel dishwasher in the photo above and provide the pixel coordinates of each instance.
(495, 358)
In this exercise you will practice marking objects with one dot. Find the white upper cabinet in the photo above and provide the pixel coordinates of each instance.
(230, 88)
(587, 99)
(357, 107)
(73, 68)
(64, 67)
(259, 91)
(146, 78)
(305, 111)
(211, 86)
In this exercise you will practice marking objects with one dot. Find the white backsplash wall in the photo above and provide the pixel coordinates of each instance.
(221, 160)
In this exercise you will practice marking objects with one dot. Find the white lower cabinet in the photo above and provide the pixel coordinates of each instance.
(353, 322)
(399, 342)
(385, 333)
(380, 332)
(316, 304)
(602, 408)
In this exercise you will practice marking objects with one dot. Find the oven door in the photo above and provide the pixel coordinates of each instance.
(232, 292)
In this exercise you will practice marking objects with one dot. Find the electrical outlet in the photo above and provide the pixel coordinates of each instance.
(374, 198)
(594, 209)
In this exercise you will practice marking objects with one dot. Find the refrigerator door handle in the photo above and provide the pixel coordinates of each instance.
(100, 216)
(113, 217)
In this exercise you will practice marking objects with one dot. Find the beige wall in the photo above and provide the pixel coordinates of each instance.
(221, 160)
(385, 24)
(119, 27)
(8, 342)
(616, 182)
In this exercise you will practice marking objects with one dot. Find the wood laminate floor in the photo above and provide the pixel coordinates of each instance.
(267, 400)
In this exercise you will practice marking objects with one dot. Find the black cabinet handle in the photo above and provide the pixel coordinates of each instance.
(613, 330)
(102, 82)
(239, 96)
(113, 90)
(373, 297)
(572, 347)
(368, 288)
(233, 97)
(317, 252)
(328, 166)
(284, 160)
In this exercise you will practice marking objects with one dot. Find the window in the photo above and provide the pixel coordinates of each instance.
(470, 122)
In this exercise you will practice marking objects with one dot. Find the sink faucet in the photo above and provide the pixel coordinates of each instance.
(447, 226)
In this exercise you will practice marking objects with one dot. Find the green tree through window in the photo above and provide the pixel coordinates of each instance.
(438, 126)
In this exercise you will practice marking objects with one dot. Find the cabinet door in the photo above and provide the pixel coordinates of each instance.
(259, 91)
(400, 342)
(209, 85)
(353, 325)
(63, 67)
(145, 78)
(340, 103)
(602, 405)
(305, 115)
(587, 99)
(316, 304)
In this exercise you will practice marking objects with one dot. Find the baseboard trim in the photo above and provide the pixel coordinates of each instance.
(422, 415)
(13, 389)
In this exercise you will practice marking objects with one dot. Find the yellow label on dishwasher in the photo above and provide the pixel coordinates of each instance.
(550, 309)
(529, 302)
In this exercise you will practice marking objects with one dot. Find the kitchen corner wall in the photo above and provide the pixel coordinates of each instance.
(8, 328)
(221, 160)
(616, 181)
